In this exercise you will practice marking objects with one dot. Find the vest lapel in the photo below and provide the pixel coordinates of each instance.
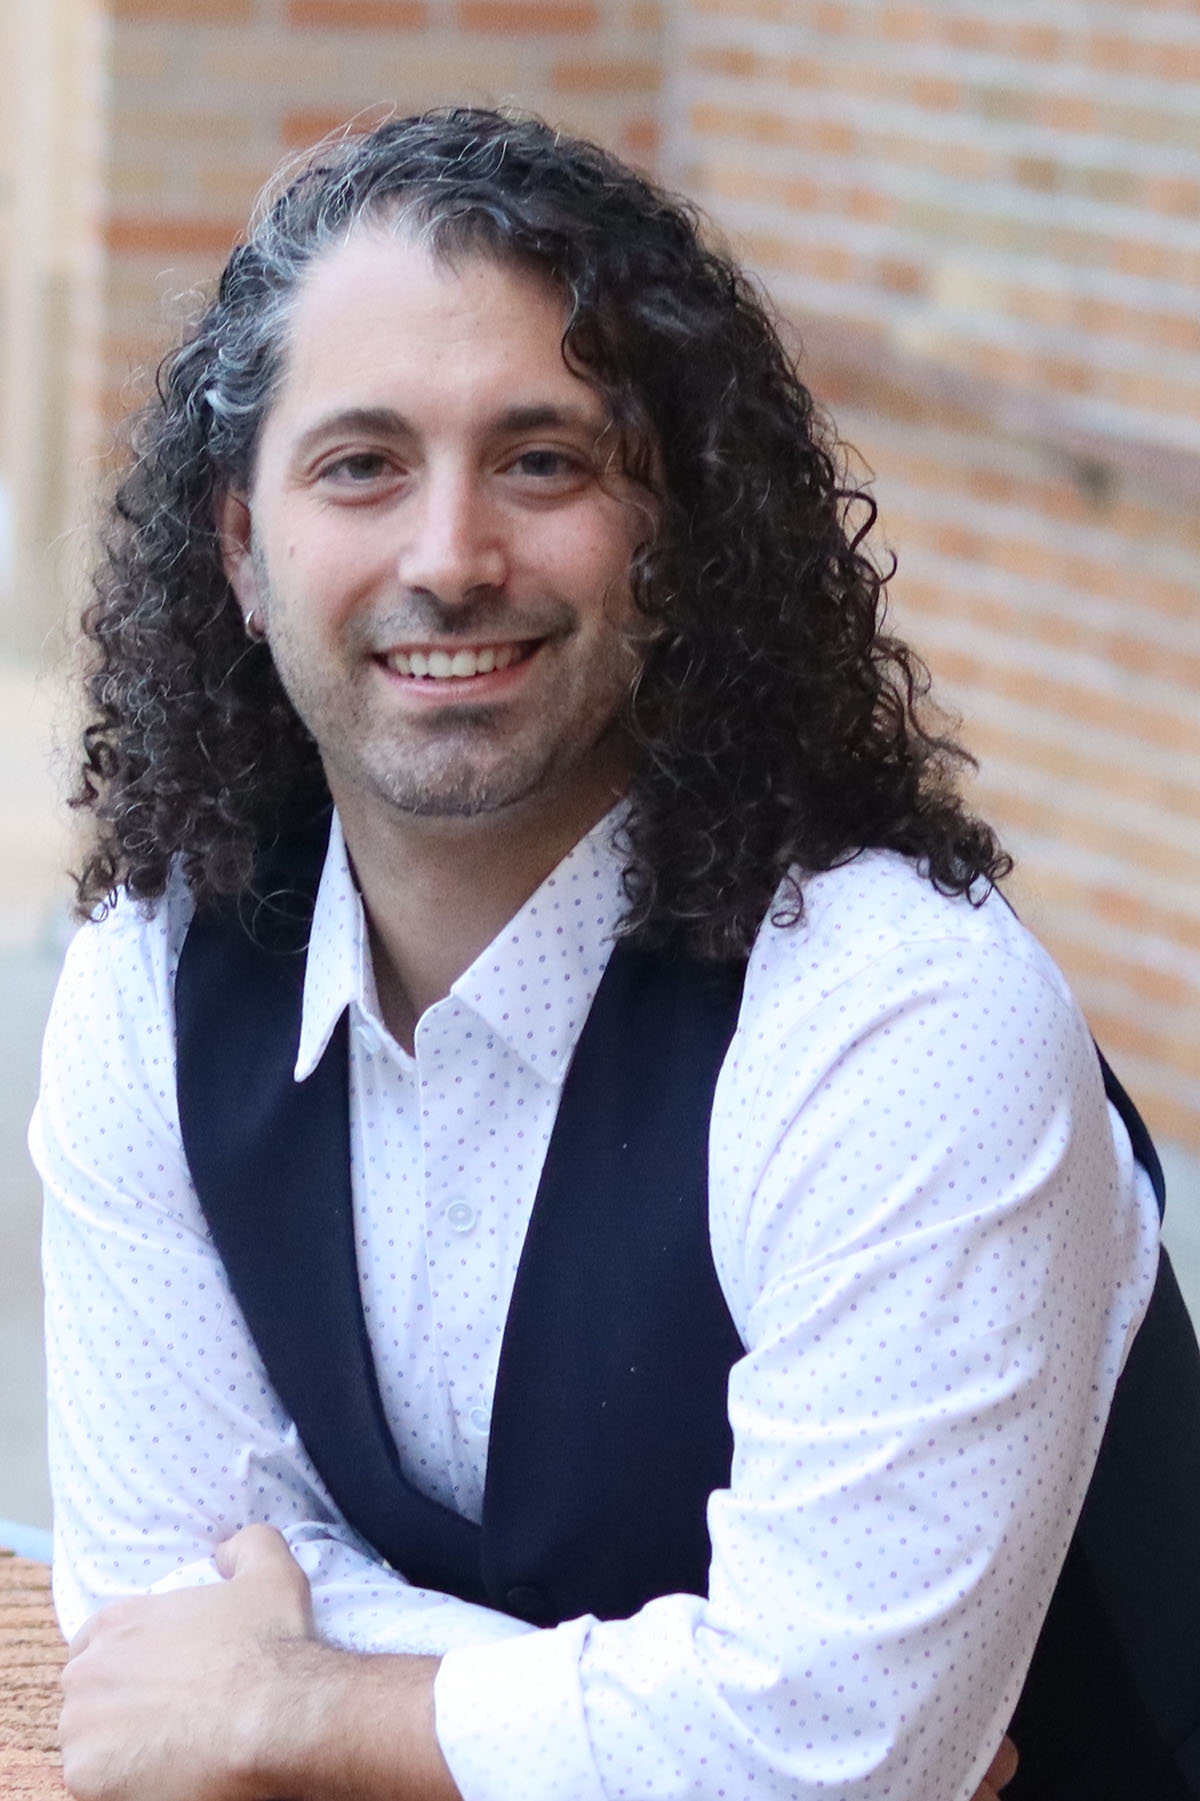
(270, 1160)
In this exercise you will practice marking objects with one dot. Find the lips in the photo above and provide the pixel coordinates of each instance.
(457, 665)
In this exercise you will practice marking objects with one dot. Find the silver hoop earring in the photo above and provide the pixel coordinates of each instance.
(255, 630)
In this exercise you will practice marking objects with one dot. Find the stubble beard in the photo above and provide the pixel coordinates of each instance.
(455, 764)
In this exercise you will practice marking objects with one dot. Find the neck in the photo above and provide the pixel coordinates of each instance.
(436, 892)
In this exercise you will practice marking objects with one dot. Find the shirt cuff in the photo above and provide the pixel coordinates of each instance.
(510, 1719)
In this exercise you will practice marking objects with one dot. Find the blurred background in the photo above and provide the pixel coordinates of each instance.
(982, 225)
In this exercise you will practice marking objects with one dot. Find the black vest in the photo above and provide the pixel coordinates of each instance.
(609, 1427)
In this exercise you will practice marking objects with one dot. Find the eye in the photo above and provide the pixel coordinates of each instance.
(357, 466)
(550, 466)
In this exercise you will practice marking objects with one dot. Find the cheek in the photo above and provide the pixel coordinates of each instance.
(600, 561)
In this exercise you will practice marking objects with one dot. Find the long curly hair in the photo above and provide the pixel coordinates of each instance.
(778, 727)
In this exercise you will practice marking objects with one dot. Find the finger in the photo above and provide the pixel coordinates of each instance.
(253, 1550)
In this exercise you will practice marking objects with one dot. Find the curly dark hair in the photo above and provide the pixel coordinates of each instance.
(778, 727)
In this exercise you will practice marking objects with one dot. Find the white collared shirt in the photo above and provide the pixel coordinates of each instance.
(931, 1238)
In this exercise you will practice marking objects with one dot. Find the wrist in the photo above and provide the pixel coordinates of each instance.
(336, 1724)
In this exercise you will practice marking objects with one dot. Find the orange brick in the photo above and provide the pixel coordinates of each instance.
(191, 12)
(304, 126)
(358, 15)
(1138, 55)
(898, 275)
(1174, 62)
(159, 234)
(1037, 172)
(721, 60)
(867, 204)
(936, 94)
(771, 11)
(1066, 112)
(1179, 196)
(1037, 43)
(1114, 50)
(805, 72)
(1136, 257)
(1065, 375)
(834, 19)
(987, 484)
(801, 256)
(641, 139)
(902, 24)
(739, 181)
(966, 33)
(529, 17)
(617, 75)
(1162, 331)
(834, 138)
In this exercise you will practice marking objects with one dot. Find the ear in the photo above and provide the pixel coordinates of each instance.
(231, 513)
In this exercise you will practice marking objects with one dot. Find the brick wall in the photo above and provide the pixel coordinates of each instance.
(984, 224)
(209, 95)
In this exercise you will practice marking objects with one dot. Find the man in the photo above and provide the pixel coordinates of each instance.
(484, 502)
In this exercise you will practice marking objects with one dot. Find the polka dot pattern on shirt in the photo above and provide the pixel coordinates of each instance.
(930, 1244)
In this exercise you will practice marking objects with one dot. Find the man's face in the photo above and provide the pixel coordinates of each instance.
(439, 558)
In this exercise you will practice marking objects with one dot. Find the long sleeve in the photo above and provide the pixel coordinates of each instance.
(936, 1251)
(164, 1434)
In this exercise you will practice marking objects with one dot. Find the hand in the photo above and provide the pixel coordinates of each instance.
(168, 1698)
(1001, 1771)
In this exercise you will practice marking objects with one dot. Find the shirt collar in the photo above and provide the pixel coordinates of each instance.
(338, 971)
(532, 986)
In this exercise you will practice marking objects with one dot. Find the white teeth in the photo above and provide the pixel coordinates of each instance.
(441, 665)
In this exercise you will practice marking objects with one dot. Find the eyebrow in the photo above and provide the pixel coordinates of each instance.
(370, 421)
(538, 417)
(382, 421)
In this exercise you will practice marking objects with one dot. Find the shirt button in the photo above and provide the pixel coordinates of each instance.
(479, 1419)
(460, 1216)
(366, 1034)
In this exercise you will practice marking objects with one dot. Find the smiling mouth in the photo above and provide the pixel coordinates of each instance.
(458, 665)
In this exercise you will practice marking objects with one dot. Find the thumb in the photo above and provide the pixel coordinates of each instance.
(256, 1551)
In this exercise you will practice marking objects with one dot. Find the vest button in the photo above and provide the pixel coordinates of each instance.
(528, 1603)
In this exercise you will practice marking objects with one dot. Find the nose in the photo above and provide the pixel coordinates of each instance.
(454, 548)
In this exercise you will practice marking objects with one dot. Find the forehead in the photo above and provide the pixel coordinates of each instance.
(379, 320)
